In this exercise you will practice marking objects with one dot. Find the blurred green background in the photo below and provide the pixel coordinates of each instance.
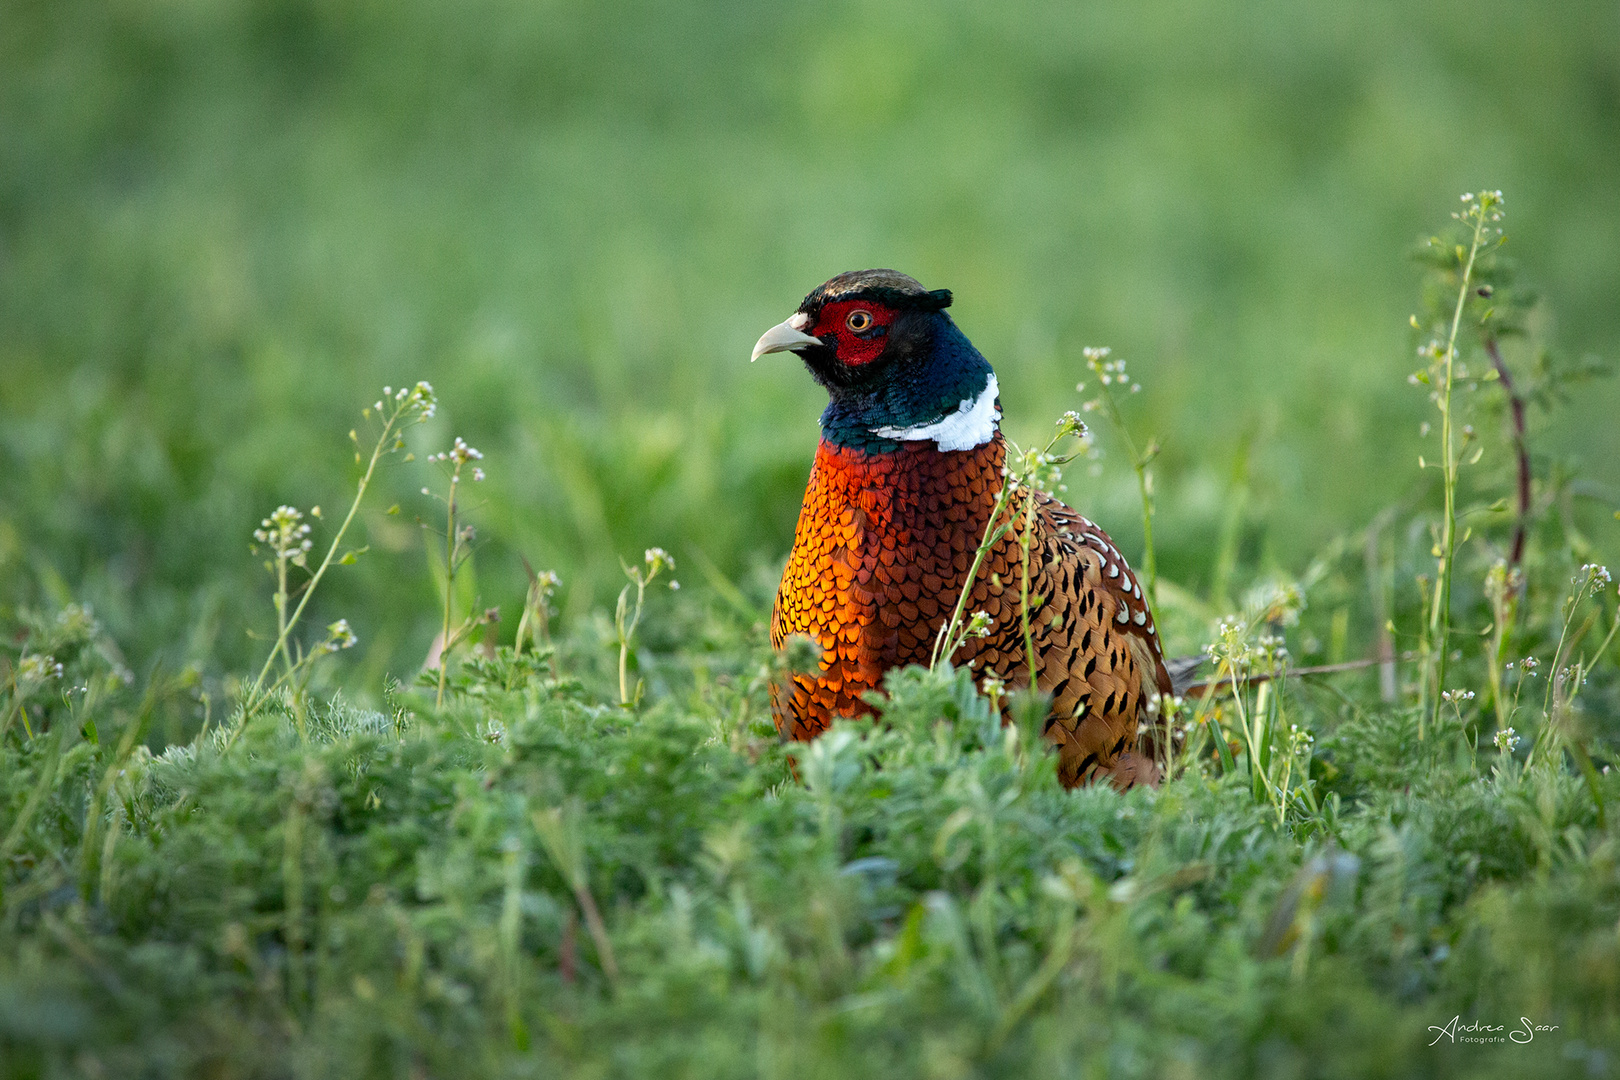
(224, 226)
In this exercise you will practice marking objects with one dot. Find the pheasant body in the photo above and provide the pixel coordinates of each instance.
(904, 482)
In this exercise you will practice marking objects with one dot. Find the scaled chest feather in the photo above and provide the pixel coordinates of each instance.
(883, 545)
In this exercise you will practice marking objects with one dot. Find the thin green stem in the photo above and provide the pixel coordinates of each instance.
(1558, 653)
(946, 643)
(1243, 726)
(627, 633)
(1023, 595)
(1150, 563)
(625, 622)
(12, 708)
(1545, 734)
(1250, 720)
(281, 609)
(1493, 655)
(1440, 615)
(449, 582)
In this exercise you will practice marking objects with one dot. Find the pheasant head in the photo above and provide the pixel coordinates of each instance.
(896, 532)
(895, 365)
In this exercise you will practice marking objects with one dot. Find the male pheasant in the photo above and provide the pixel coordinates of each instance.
(904, 482)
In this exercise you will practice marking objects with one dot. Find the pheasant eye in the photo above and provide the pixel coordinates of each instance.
(859, 321)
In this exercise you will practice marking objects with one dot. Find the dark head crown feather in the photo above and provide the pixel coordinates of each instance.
(888, 287)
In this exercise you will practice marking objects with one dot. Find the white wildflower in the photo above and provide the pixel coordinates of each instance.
(286, 534)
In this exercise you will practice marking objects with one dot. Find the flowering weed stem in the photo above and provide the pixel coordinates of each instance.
(1111, 373)
(457, 549)
(625, 620)
(1024, 543)
(1480, 210)
(398, 411)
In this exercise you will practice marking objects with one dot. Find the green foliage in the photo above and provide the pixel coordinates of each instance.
(384, 893)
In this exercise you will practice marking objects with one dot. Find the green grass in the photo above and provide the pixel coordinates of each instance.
(224, 227)
(346, 892)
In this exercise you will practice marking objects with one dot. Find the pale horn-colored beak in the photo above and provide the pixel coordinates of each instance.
(785, 337)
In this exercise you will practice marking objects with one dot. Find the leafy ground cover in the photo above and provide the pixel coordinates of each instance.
(535, 882)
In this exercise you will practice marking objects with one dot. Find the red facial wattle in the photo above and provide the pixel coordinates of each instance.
(858, 340)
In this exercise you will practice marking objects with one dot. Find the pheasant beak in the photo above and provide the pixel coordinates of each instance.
(785, 337)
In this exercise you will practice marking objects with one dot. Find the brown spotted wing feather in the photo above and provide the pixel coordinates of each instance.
(1097, 651)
